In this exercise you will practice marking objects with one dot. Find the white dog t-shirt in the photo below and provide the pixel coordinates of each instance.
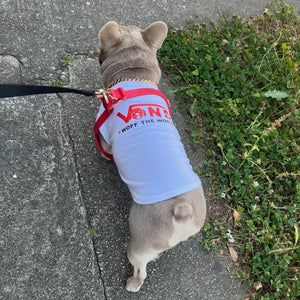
(146, 147)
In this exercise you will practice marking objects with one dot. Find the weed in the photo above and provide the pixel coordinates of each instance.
(240, 85)
(81, 186)
(93, 232)
(57, 82)
(67, 59)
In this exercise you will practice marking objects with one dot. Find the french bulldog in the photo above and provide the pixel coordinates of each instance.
(169, 204)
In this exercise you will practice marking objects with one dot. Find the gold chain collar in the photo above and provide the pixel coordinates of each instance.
(130, 79)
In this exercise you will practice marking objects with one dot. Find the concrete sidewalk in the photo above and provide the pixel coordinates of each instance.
(54, 185)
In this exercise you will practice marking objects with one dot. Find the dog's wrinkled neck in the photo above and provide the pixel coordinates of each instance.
(132, 63)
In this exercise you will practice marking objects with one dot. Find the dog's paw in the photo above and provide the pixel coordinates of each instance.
(133, 284)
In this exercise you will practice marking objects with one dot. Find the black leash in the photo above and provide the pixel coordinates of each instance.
(15, 90)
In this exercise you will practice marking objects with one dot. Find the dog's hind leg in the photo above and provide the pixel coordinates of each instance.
(148, 238)
(139, 262)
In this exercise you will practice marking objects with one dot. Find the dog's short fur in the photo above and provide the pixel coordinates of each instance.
(129, 52)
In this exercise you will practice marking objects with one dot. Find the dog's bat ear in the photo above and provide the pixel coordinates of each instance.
(155, 34)
(109, 35)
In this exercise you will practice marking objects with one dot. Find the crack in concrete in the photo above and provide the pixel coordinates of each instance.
(82, 194)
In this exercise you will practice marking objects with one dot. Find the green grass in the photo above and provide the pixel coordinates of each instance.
(239, 83)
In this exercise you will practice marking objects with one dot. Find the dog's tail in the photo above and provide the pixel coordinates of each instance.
(182, 212)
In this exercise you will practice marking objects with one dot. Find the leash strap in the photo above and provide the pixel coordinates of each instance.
(110, 98)
(15, 90)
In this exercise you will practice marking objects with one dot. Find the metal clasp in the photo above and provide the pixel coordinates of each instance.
(107, 99)
(105, 94)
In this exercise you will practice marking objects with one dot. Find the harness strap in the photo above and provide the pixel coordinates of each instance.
(111, 98)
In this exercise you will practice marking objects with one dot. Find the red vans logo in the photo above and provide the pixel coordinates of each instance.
(139, 111)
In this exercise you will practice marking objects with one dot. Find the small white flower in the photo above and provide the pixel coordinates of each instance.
(230, 237)
(256, 198)
(223, 195)
(255, 184)
(227, 59)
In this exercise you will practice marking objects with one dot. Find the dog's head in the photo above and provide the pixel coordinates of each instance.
(114, 37)
(129, 45)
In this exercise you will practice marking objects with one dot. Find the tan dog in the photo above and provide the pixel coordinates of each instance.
(128, 53)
